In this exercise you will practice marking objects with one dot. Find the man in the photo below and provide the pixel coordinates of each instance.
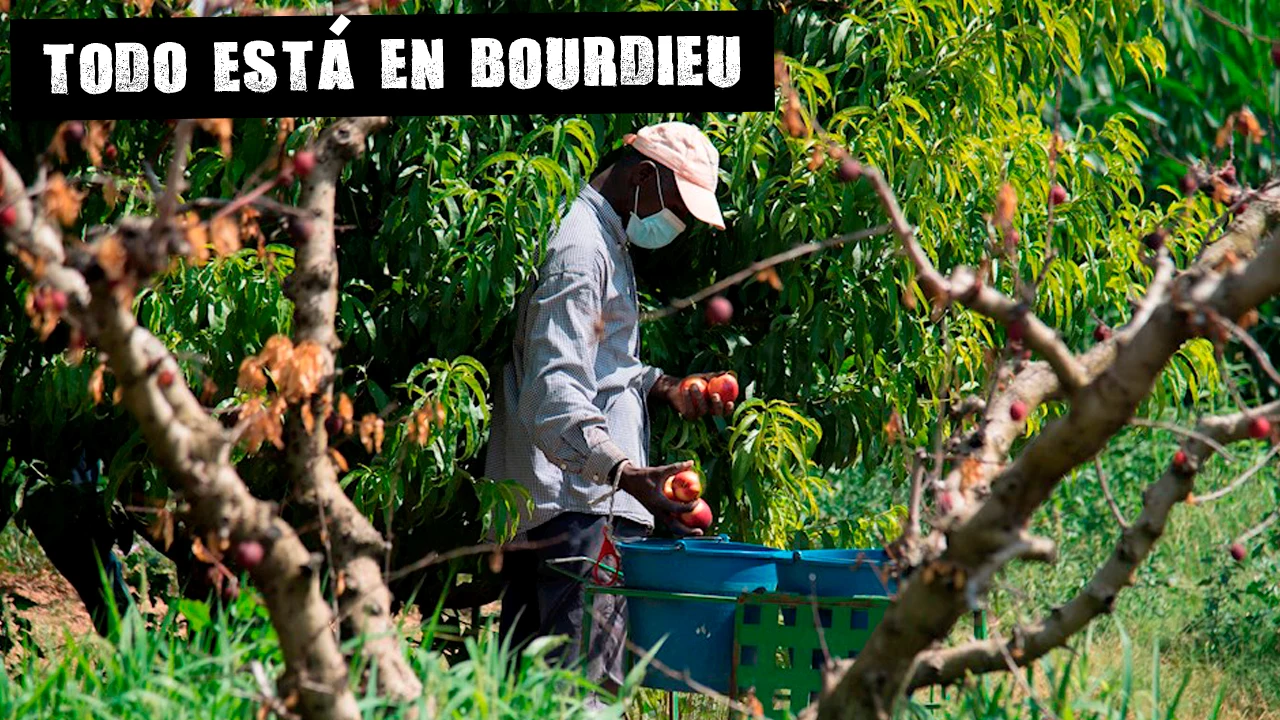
(570, 413)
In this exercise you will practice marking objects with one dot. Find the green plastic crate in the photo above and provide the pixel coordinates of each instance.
(778, 649)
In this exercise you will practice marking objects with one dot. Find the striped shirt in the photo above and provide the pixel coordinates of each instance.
(571, 403)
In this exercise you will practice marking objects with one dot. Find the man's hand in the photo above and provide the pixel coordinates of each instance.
(691, 403)
(645, 485)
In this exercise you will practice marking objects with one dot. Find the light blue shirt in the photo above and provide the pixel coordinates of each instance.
(571, 404)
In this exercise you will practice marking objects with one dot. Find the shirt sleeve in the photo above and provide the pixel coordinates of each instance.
(648, 377)
(557, 398)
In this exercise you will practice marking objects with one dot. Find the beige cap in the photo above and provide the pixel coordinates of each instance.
(692, 158)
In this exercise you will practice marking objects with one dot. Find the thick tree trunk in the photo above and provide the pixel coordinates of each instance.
(195, 450)
(357, 548)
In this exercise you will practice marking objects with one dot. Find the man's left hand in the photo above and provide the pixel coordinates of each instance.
(691, 403)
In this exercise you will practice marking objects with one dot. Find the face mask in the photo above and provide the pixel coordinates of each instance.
(656, 230)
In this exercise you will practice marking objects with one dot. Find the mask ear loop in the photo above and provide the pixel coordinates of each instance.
(657, 177)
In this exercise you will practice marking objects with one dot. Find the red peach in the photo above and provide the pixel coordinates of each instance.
(1057, 195)
(248, 554)
(719, 310)
(1018, 411)
(304, 162)
(726, 386)
(700, 517)
(686, 486)
(1259, 428)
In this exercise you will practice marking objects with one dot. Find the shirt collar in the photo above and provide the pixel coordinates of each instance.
(605, 212)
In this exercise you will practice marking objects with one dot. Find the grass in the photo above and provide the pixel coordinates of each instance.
(1195, 638)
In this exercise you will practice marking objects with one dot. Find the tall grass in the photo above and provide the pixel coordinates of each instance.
(1196, 638)
(199, 665)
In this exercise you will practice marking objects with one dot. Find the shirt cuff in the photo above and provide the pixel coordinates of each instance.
(604, 457)
(647, 380)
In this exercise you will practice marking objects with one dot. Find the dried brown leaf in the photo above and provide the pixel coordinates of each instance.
(275, 354)
(1247, 124)
(197, 234)
(251, 378)
(817, 158)
(1222, 192)
(97, 383)
(224, 233)
(58, 145)
(95, 139)
(372, 429)
(208, 391)
(338, 461)
(201, 552)
(770, 275)
(1006, 205)
(61, 201)
(893, 427)
(112, 257)
(1224, 133)
(110, 193)
(250, 230)
(302, 374)
(308, 417)
(161, 527)
(220, 128)
(346, 411)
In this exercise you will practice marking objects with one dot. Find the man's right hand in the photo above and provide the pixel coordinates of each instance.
(645, 485)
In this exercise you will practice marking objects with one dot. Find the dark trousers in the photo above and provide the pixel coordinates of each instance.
(539, 601)
(70, 521)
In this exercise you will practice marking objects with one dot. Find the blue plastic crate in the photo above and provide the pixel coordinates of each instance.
(698, 639)
(698, 632)
(696, 565)
(836, 573)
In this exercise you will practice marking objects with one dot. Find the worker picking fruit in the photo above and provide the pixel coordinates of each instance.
(571, 409)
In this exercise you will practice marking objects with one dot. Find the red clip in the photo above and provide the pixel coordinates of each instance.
(608, 556)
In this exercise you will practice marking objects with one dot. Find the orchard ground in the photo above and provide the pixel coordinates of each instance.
(1195, 614)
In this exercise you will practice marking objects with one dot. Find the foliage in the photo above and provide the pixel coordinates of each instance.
(419, 476)
(1073, 690)
(196, 662)
(1212, 70)
(771, 481)
(446, 221)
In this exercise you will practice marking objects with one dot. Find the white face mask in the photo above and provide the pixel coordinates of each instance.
(658, 229)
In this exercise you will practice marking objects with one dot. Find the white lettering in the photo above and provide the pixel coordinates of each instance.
(598, 62)
(526, 64)
(688, 60)
(224, 66)
(486, 63)
(335, 69)
(58, 67)
(428, 65)
(95, 68)
(263, 76)
(636, 57)
(170, 67)
(297, 50)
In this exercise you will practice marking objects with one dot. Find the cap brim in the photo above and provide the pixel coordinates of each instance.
(701, 203)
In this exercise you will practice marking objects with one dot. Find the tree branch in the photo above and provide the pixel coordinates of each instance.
(1031, 642)
(195, 450)
(356, 546)
(755, 267)
(925, 611)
